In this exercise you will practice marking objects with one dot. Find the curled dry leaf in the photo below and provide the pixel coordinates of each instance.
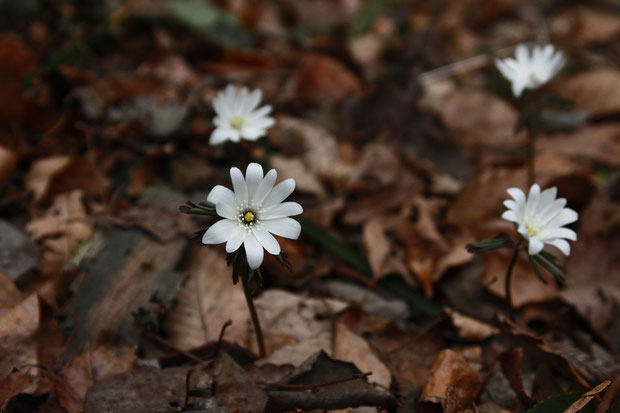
(587, 397)
(10, 295)
(42, 172)
(451, 382)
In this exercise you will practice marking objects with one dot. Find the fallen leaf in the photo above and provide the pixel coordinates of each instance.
(321, 79)
(207, 300)
(295, 327)
(88, 368)
(595, 143)
(469, 328)
(585, 25)
(16, 382)
(595, 91)
(349, 389)
(587, 397)
(10, 295)
(490, 121)
(451, 382)
(42, 172)
(18, 335)
(348, 346)
(8, 162)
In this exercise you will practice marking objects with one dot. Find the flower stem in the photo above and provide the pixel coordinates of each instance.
(508, 283)
(530, 161)
(245, 281)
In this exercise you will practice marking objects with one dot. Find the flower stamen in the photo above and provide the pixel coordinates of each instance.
(248, 217)
(236, 122)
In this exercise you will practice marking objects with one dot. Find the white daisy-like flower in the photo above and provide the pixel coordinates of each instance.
(541, 218)
(531, 70)
(238, 115)
(252, 213)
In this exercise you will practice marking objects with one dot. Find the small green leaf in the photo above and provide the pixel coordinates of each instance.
(556, 101)
(536, 269)
(416, 300)
(338, 247)
(557, 274)
(501, 240)
(557, 404)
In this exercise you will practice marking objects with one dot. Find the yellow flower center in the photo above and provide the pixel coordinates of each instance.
(531, 231)
(248, 217)
(236, 122)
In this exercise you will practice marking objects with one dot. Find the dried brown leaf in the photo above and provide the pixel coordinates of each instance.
(348, 346)
(322, 79)
(451, 382)
(206, 302)
(42, 172)
(587, 397)
(295, 327)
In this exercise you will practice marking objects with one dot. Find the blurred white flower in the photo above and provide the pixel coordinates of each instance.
(238, 115)
(531, 70)
(541, 218)
(252, 213)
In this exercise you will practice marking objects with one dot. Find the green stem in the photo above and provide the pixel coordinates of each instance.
(508, 283)
(245, 281)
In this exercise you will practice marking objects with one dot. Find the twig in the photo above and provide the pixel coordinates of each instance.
(173, 348)
(315, 385)
(219, 340)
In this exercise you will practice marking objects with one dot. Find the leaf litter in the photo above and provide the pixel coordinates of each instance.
(398, 132)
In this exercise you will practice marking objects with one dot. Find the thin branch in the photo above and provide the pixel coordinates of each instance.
(314, 385)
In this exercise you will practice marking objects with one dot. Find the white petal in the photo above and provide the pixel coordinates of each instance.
(510, 216)
(254, 99)
(279, 193)
(522, 54)
(507, 71)
(219, 232)
(253, 251)
(566, 216)
(533, 197)
(263, 123)
(265, 187)
(236, 238)
(267, 241)
(535, 246)
(517, 88)
(226, 210)
(283, 227)
(221, 194)
(239, 185)
(560, 233)
(517, 194)
(253, 178)
(259, 113)
(251, 133)
(285, 209)
(562, 245)
(220, 135)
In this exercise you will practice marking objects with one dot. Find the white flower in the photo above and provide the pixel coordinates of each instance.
(252, 213)
(237, 116)
(531, 70)
(541, 218)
